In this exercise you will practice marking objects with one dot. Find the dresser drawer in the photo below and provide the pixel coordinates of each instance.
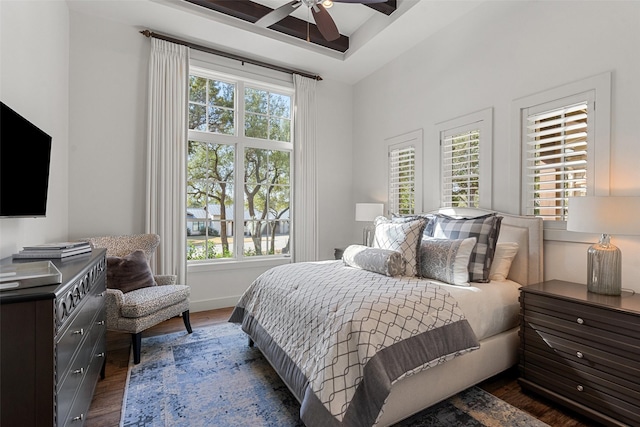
(89, 316)
(79, 407)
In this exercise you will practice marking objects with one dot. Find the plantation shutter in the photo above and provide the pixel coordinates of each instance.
(556, 152)
(461, 168)
(402, 179)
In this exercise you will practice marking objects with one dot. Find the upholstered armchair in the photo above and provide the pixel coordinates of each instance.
(134, 311)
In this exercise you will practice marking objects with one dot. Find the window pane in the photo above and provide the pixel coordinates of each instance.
(197, 117)
(461, 169)
(402, 180)
(211, 105)
(221, 94)
(280, 130)
(197, 89)
(221, 121)
(256, 126)
(280, 105)
(268, 115)
(556, 160)
(255, 100)
(267, 201)
(210, 204)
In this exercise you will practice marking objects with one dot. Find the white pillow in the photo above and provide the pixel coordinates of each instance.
(505, 253)
(446, 260)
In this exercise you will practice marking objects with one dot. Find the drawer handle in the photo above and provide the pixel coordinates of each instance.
(79, 332)
(580, 388)
(100, 322)
(78, 418)
(579, 354)
(580, 321)
(100, 354)
(101, 294)
(79, 371)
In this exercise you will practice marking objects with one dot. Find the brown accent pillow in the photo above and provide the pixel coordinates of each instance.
(129, 273)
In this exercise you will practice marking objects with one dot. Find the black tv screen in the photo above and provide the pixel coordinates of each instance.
(25, 153)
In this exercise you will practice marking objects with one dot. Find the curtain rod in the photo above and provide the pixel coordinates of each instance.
(148, 33)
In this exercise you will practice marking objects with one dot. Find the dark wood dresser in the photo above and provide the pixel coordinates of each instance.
(52, 345)
(582, 350)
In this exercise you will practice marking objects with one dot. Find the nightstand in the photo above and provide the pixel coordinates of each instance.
(582, 350)
(337, 253)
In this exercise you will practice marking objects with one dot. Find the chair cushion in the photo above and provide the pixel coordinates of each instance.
(145, 301)
(129, 273)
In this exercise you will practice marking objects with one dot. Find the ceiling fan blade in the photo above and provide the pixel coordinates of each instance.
(278, 14)
(325, 23)
(359, 1)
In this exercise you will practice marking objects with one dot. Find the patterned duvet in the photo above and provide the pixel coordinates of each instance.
(340, 336)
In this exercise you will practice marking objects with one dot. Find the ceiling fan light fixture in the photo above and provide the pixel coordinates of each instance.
(327, 4)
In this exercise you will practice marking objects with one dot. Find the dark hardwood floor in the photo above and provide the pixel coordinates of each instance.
(107, 401)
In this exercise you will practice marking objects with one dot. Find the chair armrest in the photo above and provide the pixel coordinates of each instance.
(114, 299)
(166, 279)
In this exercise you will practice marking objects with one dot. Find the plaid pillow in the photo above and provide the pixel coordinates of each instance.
(403, 237)
(484, 228)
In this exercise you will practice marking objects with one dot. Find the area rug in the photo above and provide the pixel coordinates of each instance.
(213, 378)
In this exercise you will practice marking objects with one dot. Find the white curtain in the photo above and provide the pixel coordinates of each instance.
(305, 219)
(166, 155)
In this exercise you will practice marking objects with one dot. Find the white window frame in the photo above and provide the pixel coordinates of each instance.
(599, 139)
(413, 139)
(241, 142)
(483, 122)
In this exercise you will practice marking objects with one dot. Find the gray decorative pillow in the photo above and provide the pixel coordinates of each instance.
(383, 261)
(129, 273)
(484, 228)
(446, 260)
(403, 237)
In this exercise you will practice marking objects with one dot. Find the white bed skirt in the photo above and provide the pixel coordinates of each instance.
(419, 391)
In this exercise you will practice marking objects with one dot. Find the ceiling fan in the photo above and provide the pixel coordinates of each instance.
(322, 18)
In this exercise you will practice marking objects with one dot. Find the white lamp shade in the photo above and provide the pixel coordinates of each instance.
(608, 215)
(368, 211)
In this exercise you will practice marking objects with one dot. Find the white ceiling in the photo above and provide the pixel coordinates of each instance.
(375, 38)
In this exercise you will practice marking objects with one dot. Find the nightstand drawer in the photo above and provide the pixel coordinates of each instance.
(584, 335)
(578, 318)
(576, 355)
(589, 395)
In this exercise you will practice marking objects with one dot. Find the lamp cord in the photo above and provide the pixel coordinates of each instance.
(628, 290)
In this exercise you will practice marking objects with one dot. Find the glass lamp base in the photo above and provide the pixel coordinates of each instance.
(604, 268)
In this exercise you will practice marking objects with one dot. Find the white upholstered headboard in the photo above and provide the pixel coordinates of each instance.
(527, 267)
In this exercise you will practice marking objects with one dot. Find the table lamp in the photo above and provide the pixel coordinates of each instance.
(367, 212)
(606, 216)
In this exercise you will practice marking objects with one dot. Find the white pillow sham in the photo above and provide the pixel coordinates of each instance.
(504, 255)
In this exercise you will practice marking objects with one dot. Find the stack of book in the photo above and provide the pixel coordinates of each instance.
(54, 250)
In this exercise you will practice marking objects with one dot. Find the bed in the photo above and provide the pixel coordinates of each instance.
(361, 348)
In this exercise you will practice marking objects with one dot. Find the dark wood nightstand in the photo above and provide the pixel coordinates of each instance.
(582, 350)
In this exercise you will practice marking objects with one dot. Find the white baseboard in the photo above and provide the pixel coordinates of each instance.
(214, 303)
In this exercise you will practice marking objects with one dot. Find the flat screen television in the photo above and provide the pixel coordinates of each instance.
(25, 154)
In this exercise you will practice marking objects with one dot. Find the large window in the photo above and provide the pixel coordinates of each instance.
(239, 168)
(565, 147)
(465, 160)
